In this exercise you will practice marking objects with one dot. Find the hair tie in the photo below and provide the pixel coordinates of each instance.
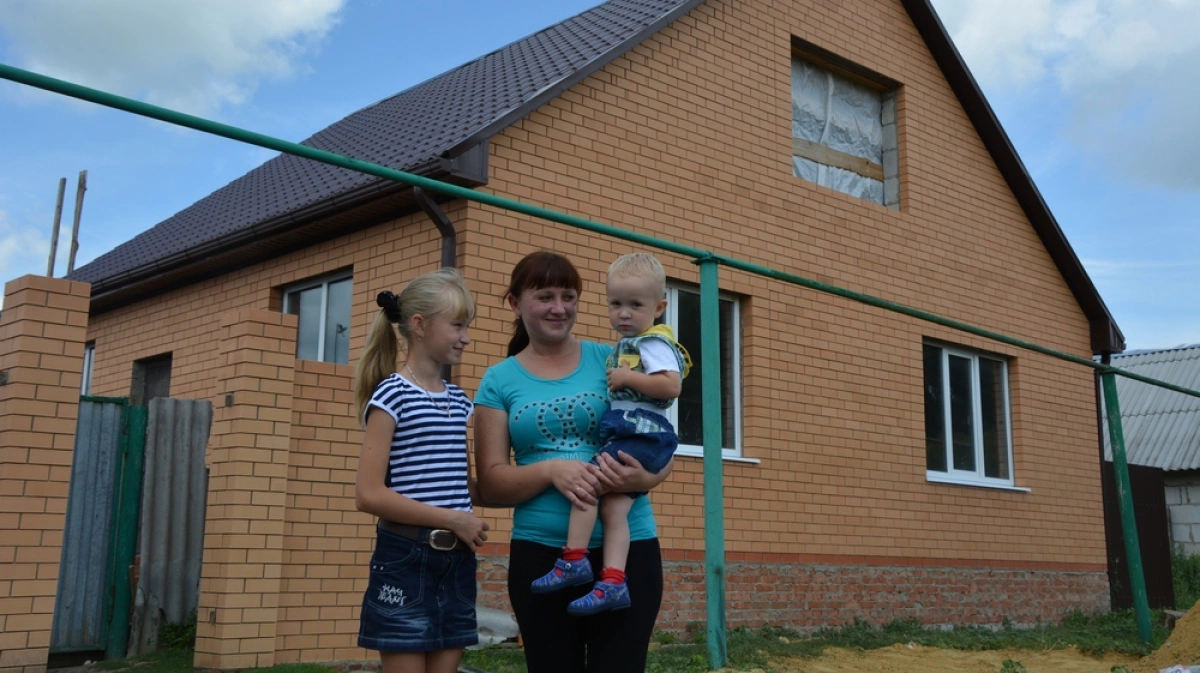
(390, 303)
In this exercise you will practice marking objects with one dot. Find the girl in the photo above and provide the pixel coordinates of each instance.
(419, 608)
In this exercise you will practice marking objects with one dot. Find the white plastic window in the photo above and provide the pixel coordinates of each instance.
(323, 307)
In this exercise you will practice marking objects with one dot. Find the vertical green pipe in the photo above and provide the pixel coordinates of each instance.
(714, 489)
(1133, 550)
(125, 531)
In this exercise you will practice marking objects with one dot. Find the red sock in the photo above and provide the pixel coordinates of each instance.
(570, 554)
(612, 576)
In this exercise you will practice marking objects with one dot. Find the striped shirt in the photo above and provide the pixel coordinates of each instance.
(428, 460)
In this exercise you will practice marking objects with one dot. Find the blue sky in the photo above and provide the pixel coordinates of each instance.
(1097, 95)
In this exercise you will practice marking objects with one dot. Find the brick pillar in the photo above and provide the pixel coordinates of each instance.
(43, 329)
(247, 486)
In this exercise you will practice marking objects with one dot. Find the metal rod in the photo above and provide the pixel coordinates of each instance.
(1133, 550)
(296, 149)
(707, 260)
(79, 191)
(714, 488)
(62, 190)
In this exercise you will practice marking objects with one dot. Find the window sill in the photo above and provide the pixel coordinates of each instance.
(689, 453)
(940, 478)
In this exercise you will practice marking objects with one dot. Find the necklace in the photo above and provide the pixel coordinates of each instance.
(428, 394)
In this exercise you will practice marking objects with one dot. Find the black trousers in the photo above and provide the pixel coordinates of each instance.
(610, 642)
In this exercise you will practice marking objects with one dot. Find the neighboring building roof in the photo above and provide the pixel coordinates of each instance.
(1161, 427)
(440, 129)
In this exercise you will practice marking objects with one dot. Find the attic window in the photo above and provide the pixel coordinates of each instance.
(844, 127)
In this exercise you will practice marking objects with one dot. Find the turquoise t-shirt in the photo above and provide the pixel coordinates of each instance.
(556, 419)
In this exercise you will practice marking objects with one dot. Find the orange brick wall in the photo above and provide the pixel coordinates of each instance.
(247, 457)
(687, 138)
(42, 332)
(328, 543)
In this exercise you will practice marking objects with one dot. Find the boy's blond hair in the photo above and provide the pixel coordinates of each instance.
(641, 265)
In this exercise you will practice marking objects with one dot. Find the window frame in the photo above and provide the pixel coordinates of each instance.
(888, 170)
(323, 282)
(89, 360)
(958, 476)
(671, 317)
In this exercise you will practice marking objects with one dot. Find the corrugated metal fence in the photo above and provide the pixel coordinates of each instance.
(171, 542)
(81, 611)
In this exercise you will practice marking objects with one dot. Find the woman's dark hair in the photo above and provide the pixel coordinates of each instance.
(536, 271)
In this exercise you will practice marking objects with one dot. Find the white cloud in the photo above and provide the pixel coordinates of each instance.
(25, 250)
(1124, 65)
(182, 54)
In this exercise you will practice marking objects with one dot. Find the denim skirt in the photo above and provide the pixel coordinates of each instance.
(419, 599)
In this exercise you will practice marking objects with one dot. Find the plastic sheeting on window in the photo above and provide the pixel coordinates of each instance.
(835, 112)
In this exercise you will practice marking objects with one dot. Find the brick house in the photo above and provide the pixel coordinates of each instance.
(877, 466)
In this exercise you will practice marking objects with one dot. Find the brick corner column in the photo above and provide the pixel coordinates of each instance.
(247, 488)
(43, 329)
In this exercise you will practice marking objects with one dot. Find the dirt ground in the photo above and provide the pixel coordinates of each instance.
(919, 659)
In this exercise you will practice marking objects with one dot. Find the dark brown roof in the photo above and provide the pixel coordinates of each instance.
(440, 129)
(287, 202)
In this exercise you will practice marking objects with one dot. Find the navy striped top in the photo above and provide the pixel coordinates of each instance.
(428, 460)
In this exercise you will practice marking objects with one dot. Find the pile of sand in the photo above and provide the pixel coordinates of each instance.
(1183, 647)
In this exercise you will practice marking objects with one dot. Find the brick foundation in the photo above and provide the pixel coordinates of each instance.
(806, 596)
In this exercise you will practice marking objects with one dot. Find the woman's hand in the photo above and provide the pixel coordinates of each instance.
(577, 481)
(627, 474)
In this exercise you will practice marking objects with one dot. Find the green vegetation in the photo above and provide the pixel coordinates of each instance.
(1185, 570)
(181, 636)
(754, 648)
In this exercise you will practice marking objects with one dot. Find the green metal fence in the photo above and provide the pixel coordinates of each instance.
(709, 263)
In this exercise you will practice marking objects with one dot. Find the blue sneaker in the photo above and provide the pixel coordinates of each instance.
(611, 597)
(565, 574)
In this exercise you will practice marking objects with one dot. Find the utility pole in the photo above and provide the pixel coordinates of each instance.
(78, 211)
(62, 188)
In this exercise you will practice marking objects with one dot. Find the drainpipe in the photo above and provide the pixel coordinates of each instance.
(435, 213)
(449, 238)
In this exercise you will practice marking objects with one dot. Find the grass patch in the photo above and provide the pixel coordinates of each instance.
(754, 648)
(165, 661)
(180, 661)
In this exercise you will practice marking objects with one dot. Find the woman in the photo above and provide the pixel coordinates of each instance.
(544, 402)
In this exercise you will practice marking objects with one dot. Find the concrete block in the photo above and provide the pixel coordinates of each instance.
(888, 115)
(1185, 514)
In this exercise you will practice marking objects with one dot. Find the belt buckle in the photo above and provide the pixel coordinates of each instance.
(442, 540)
